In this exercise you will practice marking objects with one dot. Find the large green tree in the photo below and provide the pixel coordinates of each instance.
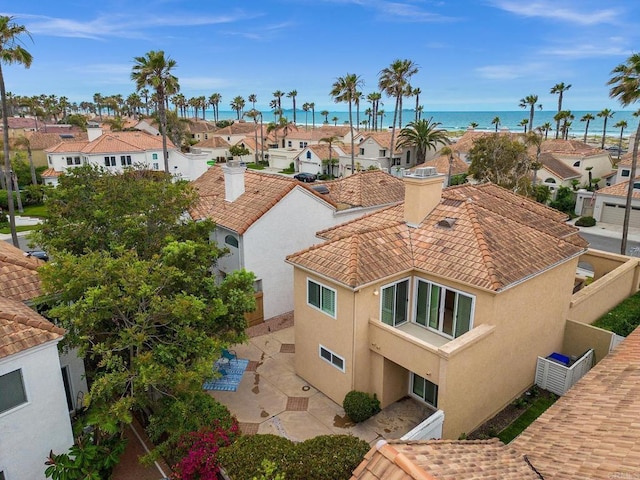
(11, 51)
(424, 135)
(345, 90)
(154, 70)
(499, 159)
(132, 285)
(625, 86)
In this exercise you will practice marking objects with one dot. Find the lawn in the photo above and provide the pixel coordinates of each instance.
(27, 228)
(537, 408)
(39, 211)
(623, 319)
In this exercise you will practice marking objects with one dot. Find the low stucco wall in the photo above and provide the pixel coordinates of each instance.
(606, 292)
(580, 337)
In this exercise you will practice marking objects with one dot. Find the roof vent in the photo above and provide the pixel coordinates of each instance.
(447, 222)
(425, 172)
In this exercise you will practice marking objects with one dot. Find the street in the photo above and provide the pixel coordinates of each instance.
(609, 244)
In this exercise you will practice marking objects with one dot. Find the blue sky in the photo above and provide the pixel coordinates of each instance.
(473, 55)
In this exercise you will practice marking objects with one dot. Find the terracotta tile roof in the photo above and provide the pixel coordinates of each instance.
(593, 431)
(573, 147)
(558, 167)
(18, 273)
(625, 160)
(50, 172)
(315, 134)
(213, 142)
(200, 126)
(22, 328)
(114, 142)
(619, 190)
(42, 140)
(322, 150)
(497, 238)
(22, 122)
(237, 128)
(443, 460)
(262, 191)
(442, 165)
(366, 189)
(250, 143)
(69, 146)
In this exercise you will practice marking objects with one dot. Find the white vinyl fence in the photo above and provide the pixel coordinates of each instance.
(557, 378)
(430, 428)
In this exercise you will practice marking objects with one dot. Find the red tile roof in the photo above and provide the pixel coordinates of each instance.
(441, 163)
(558, 167)
(113, 142)
(619, 190)
(366, 189)
(22, 328)
(18, 273)
(496, 239)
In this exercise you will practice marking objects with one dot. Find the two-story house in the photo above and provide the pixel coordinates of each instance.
(440, 298)
(260, 218)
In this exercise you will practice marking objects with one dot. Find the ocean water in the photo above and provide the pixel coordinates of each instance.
(461, 120)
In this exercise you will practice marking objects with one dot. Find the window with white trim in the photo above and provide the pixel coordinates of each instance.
(321, 297)
(442, 309)
(154, 156)
(231, 241)
(12, 392)
(125, 160)
(625, 172)
(394, 303)
(332, 358)
(110, 161)
(424, 389)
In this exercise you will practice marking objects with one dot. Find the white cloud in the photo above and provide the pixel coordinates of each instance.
(559, 10)
(586, 51)
(511, 72)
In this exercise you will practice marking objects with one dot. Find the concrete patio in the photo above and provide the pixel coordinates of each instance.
(271, 398)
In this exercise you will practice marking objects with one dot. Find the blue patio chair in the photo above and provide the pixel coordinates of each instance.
(227, 356)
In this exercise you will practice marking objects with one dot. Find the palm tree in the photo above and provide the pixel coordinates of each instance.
(214, 101)
(423, 135)
(523, 123)
(144, 93)
(356, 101)
(393, 81)
(237, 105)
(292, 95)
(586, 118)
(473, 125)
(254, 114)
(345, 90)
(605, 114)
(305, 109)
(416, 92)
(312, 106)
(10, 52)
(529, 102)
(449, 152)
(546, 128)
(335, 121)
(332, 140)
(325, 114)
(535, 138)
(253, 98)
(559, 89)
(496, 122)
(277, 97)
(154, 70)
(374, 99)
(622, 124)
(625, 86)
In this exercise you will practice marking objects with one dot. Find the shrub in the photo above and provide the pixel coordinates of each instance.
(585, 222)
(242, 459)
(4, 197)
(176, 417)
(360, 405)
(624, 318)
(327, 457)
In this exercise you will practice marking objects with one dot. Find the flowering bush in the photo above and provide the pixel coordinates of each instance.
(200, 460)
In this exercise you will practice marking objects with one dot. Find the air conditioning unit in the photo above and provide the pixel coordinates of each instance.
(425, 172)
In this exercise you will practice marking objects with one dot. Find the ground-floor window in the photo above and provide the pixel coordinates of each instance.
(424, 389)
(12, 392)
(334, 359)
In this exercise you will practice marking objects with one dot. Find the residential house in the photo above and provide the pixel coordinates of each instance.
(200, 130)
(446, 165)
(262, 217)
(314, 159)
(41, 141)
(216, 148)
(607, 205)
(118, 150)
(591, 432)
(448, 297)
(465, 143)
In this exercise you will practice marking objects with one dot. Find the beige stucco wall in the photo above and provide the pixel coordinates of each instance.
(580, 337)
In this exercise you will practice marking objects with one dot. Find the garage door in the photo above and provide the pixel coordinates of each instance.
(614, 214)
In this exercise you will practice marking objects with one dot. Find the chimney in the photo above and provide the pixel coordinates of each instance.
(422, 193)
(93, 133)
(233, 180)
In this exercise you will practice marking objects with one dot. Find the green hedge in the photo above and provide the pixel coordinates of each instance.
(585, 222)
(624, 318)
(326, 457)
(360, 406)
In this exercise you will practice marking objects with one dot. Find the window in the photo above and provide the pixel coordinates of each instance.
(382, 153)
(625, 173)
(49, 159)
(154, 156)
(69, 160)
(424, 389)
(446, 311)
(321, 297)
(289, 143)
(303, 144)
(362, 151)
(125, 160)
(231, 241)
(109, 161)
(308, 154)
(408, 156)
(206, 136)
(394, 302)
(335, 360)
(156, 166)
(12, 391)
(576, 164)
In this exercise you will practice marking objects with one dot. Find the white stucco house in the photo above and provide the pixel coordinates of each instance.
(34, 412)
(261, 218)
(116, 151)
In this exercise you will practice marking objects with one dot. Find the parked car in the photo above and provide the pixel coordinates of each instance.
(305, 177)
(40, 254)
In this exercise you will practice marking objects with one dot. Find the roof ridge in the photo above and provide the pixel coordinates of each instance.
(482, 243)
(353, 260)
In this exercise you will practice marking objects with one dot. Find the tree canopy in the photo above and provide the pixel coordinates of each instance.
(131, 283)
(499, 159)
